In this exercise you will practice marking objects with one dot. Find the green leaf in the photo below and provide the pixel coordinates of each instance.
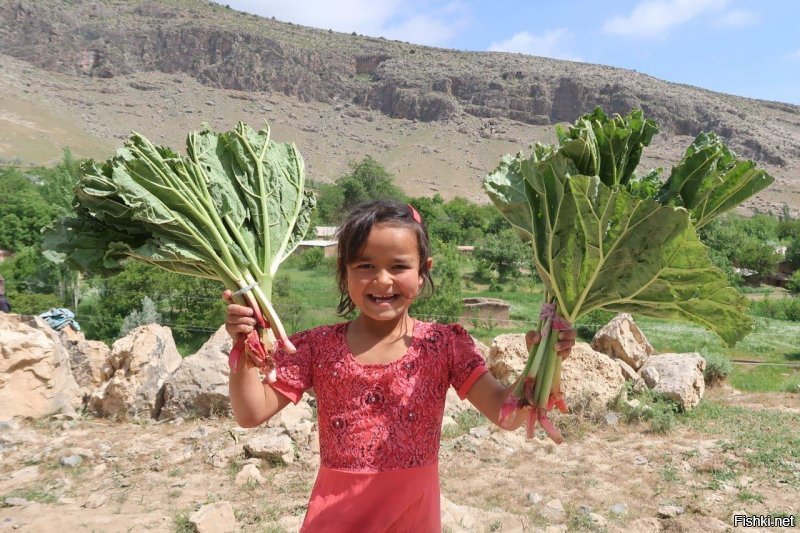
(608, 147)
(710, 180)
(597, 247)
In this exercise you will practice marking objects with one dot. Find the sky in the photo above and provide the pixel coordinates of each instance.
(743, 47)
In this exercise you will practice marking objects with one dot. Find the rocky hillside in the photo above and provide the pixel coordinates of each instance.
(144, 46)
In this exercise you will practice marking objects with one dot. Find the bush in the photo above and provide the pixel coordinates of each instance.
(793, 285)
(652, 407)
(779, 308)
(589, 324)
(27, 303)
(718, 367)
(793, 253)
(312, 258)
(140, 317)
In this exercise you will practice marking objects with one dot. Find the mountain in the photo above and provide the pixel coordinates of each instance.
(85, 73)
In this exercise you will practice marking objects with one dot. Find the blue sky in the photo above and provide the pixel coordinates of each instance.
(740, 47)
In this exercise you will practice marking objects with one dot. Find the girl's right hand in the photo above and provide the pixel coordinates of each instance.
(239, 318)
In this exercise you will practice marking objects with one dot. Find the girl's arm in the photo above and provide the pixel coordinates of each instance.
(252, 401)
(488, 395)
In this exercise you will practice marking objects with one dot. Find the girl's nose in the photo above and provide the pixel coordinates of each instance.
(383, 277)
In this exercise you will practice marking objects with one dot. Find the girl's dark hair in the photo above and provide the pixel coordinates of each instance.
(353, 233)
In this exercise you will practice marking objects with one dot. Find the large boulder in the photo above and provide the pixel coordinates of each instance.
(590, 377)
(622, 338)
(138, 366)
(200, 386)
(35, 374)
(87, 358)
(677, 376)
(507, 356)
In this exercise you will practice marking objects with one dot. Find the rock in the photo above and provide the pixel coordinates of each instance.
(627, 370)
(35, 374)
(139, 363)
(650, 376)
(612, 419)
(449, 424)
(454, 405)
(87, 359)
(249, 474)
(670, 511)
(534, 498)
(621, 338)
(463, 519)
(590, 378)
(17, 502)
(71, 461)
(273, 444)
(200, 386)
(215, 517)
(680, 377)
(553, 510)
(619, 509)
(644, 525)
(481, 432)
(96, 500)
(507, 356)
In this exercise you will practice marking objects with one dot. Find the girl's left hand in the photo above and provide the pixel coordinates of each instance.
(566, 340)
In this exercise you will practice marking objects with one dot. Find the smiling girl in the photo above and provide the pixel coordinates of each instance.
(380, 381)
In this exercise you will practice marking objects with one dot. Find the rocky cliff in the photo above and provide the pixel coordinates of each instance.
(227, 49)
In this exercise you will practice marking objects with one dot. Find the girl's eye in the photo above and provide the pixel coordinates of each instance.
(364, 266)
(402, 267)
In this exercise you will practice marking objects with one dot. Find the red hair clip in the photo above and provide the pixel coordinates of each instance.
(415, 214)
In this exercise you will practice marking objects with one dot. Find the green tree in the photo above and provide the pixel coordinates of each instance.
(23, 211)
(793, 253)
(504, 253)
(367, 180)
(445, 303)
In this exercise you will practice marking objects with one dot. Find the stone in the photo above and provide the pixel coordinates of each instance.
(71, 461)
(449, 424)
(249, 474)
(214, 517)
(199, 387)
(507, 356)
(140, 363)
(481, 432)
(87, 359)
(680, 377)
(35, 373)
(627, 370)
(534, 498)
(95, 500)
(17, 502)
(274, 445)
(621, 338)
(670, 511)
(619, 509)
(590, 378)
(553, 510)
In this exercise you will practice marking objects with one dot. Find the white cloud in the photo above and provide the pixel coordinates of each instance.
(548, 44)
(431, 22)
(738, 18)
(793, 55)
(654, 18)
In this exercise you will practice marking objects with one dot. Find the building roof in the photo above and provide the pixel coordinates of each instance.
(317, 242)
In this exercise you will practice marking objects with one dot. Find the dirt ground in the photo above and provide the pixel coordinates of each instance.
(605, 477)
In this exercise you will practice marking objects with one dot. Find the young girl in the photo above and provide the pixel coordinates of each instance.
(380, 381)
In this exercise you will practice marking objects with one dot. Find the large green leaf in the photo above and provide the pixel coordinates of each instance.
(597, 247)
(608, 147)
(710, 180)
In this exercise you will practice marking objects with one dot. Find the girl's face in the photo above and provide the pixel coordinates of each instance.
(384, 279)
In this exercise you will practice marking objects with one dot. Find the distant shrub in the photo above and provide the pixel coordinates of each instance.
(311, 259)
(718, 367)
(793, 285)
(778, 308)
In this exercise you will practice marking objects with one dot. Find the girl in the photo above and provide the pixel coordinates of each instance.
(380, 381)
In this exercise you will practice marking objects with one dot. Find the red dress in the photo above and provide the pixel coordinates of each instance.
(379, 425)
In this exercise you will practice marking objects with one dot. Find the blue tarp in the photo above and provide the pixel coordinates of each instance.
(59, 317)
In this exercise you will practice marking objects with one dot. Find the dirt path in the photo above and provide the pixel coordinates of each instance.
(150, 477)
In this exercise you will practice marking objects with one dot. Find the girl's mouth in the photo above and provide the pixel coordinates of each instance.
(382, 299)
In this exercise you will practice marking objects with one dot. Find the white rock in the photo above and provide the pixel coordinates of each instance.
(139, 364)
(274, 445)
(95, 500)
(200, 386)
(680, 377)
(249, 474)
(215, 517)
(621, 338)
(35, 373)
(507, 356)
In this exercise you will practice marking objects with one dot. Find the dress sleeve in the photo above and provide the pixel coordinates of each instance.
(466, 362)
(293, 374)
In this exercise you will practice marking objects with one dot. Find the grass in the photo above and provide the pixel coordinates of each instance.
(765, 441)
(32, 494)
